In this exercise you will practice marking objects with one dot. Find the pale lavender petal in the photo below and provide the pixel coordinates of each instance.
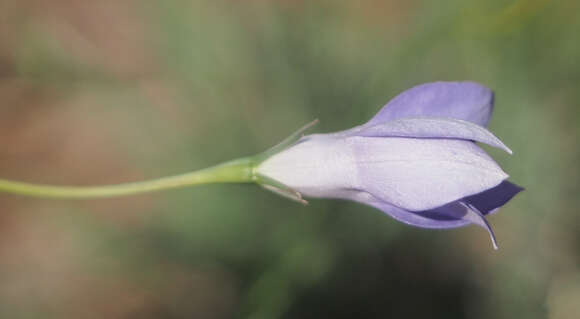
(421, 174)
(467, 101)
(433, 128)
(316, 166)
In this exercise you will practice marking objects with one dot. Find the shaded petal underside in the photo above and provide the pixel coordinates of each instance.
(451, 215)
(469, 210)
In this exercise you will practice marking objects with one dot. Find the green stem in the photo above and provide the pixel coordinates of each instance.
(236, 171)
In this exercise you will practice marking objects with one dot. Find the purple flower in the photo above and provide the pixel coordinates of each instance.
(416, 160)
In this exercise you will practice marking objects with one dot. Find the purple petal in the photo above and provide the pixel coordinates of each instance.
(452, 215)
(447, 216)
(469, 210)
(438, 218)
(467, 101)
(422, 174)
(433, 128)
(456, 214)
(489, 201)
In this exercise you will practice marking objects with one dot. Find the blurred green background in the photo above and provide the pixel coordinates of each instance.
(95, 92)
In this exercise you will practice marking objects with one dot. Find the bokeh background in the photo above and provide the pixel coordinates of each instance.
(95, 92)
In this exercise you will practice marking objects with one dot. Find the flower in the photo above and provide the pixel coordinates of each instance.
(416, 160)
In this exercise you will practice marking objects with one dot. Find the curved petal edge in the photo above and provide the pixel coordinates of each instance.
(433, 128)
(467, 101)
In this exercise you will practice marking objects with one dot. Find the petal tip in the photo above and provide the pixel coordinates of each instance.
(494, 242)
(506, 148)
(477, 218)
(503, 147)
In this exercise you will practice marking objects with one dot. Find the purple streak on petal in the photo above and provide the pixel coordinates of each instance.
(489, 201)
(467, 101)
(433, 128)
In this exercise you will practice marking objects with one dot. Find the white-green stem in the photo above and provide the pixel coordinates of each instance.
(236, 171)
(242, 170)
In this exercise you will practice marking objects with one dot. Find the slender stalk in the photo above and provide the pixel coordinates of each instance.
(236, 171)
